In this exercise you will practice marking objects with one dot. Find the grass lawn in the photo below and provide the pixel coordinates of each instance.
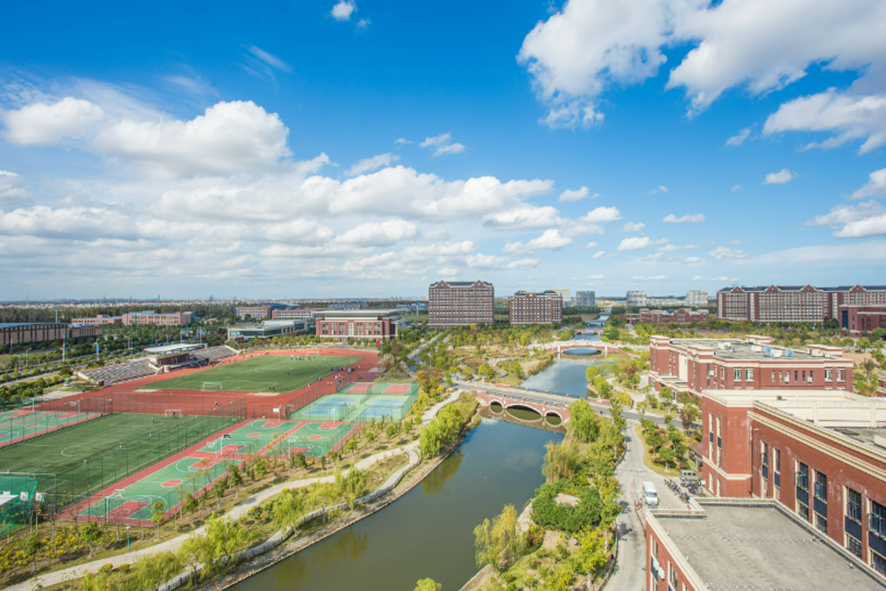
(57, 451)
(266, 373)
(647, 457)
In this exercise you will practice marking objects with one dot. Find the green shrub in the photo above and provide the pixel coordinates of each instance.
(547, 513)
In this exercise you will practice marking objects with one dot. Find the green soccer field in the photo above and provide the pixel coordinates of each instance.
(268, 373)
(57, 451)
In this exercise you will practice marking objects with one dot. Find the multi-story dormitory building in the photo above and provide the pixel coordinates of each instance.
(459, 303)
(681, 316)
(779, 303)
(819, 454)
(695, 365)
(528, 307)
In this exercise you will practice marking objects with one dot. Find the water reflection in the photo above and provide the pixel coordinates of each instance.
(524, 458)
(436, 480)
(565, 376)
(343, 547)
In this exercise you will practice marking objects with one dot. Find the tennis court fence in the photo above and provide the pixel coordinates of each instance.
(17, 492)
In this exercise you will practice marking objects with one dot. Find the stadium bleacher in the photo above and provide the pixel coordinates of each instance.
(118, 373)
(211, 354)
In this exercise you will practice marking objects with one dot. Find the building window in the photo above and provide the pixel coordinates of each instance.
(773, 376)
(879, 563)
(853, 545)
(802, 476)
(749, 374)
(841, 375)
(821, 487)
(736, 374)
(803, 510)
(821, 524)
(672, 578)
(796, 375)
(853, 505)
(877, 520)
(777, 461)
(828, 374)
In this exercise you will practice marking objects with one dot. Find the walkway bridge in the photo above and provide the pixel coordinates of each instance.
(544, 403)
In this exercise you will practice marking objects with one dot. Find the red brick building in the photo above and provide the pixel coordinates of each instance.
(254, 312)
(821, 454)
(24, 333)
(528, 307)
(99, 320)
(857, 319)
(681, 316)
(161, 319)
(459, 303)
(694, 365)
(360, 325)
(779, 303)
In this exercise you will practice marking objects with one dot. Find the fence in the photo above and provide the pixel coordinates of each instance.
(17, 493)
(153, 403)
(76, 484)
(364, 408)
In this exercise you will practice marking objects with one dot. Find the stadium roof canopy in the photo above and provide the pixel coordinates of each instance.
(175, 348)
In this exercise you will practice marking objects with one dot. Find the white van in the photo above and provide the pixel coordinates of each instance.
(650, 495)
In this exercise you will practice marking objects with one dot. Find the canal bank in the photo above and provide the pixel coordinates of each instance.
(428, 532)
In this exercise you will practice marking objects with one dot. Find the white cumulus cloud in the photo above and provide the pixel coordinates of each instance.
(721, 252)
(600, 215)
(583, 193)
(373, 163)
(550, 240)
(739, 138)
(691, 218)
(875, 186)
(779, 178)
(45, 124)
(599, 254)
(524, 216)
(343, 10)
(632, 227)
(230, 137)
(442, 144)
(638, 242)
(379, 233)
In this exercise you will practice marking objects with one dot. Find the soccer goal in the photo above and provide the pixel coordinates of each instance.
(212, 386)
(173, 412)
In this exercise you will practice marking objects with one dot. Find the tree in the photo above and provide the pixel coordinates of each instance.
(428, 585)
(654, 441)
(190, 504)
(497, 542)
(91, 533)
(288, 509)
(158, 510)
(583, 422)
(667, 455)
(32, 546)
(561, 460)
(591, 555)
(688, 415)
(353, 486)
(219, 489)
(351, 445)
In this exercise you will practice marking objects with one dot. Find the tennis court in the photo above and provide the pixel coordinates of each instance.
(353, 406)
(265, 373)
(25, 424)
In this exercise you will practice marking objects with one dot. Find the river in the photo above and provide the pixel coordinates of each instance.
(567, 374)
(428, 532)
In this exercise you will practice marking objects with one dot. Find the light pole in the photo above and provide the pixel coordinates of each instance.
(127, 537)
(19, 363)
(27, 362)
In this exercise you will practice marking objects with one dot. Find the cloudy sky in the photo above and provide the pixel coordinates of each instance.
(315, 148)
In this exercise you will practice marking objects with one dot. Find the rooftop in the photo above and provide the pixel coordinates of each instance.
(760, 547)
(357, 313)
(174, 348)
(731, 349)
(461, 283)
(11, 324)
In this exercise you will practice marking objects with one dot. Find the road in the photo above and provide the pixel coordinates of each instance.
(630, 570)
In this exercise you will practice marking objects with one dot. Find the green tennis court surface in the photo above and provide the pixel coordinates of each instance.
(57, 451)
(353, 407)
(267, 373)
(167, 485)
(313, 439)
(18, 425)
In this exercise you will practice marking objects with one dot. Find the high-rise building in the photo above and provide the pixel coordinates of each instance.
(586, 299)
(527, 307)
(565, 294)
(458, 303)
(254, 312)
(636, 299)
(780, 303)
(696, 298)
(161, 319)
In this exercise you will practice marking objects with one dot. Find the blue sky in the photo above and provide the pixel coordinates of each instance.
(311, 149)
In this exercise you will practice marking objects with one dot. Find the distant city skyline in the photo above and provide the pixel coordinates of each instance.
(304, 150)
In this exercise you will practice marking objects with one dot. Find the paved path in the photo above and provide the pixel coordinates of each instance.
(629, 574)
